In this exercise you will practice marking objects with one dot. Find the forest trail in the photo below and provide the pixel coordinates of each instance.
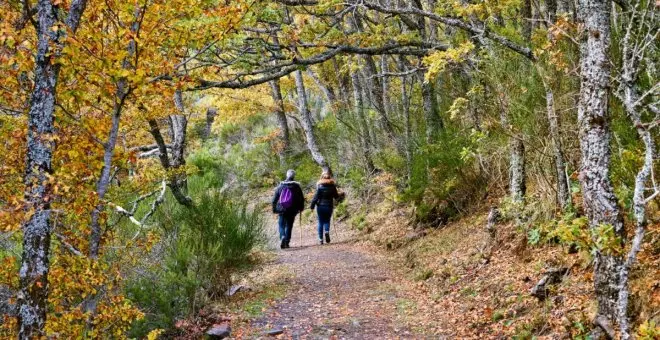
(336, 291)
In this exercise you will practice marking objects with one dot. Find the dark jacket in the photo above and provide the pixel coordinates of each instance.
(326, 194)
(298, 198)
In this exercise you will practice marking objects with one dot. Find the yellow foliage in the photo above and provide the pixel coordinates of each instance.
(438, 61)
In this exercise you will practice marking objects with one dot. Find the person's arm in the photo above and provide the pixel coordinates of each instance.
(315, 199)
(276, 197)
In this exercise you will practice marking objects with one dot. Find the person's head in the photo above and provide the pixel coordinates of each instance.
(326, 175)
(290, 175)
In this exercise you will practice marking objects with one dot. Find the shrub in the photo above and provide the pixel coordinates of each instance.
(201, 248)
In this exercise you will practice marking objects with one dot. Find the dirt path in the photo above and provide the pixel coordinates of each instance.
(336, 291)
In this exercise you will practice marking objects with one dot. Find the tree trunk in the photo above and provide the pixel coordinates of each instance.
(343, 84)
(551, 9)
(178, 191)
(281, 118)
(634, 52)
(103, 183)
(178, 125)
(328, 93)
(121, 94)
(364, 125)
(563, 188)
(385, 81)
(526, 17)
(405, 107)
(600, 202)
(639, 205)
(517, 174)
(374, 88)
(307, 124)
(33, 274)
(430, 104)
(211, 113)
(429, 101)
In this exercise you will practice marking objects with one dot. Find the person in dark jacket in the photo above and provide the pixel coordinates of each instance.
(324, 201)
(288, 201)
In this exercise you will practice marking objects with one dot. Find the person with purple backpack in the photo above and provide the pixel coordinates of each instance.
(288, 201)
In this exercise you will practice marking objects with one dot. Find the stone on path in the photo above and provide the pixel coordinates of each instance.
(219, 331)
(275, 331)
(235, 289)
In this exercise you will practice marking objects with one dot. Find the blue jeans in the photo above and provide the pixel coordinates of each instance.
(286, 226)
(324, 213)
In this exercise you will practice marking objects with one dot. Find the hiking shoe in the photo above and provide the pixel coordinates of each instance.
(283, 245)
(321, 241)
(327, 237)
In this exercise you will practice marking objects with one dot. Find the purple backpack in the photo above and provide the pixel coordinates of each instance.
(286, 198)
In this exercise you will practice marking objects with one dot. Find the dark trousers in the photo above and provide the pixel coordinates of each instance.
(324, 213)
(286, 226)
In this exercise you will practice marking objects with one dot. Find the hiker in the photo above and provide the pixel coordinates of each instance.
(324, 201)
(288, 201)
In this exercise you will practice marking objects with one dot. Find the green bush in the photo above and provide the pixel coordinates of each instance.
(444, 182)
(201, 248)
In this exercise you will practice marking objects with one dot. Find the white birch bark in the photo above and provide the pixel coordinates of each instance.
(307, 124)
(600, 202)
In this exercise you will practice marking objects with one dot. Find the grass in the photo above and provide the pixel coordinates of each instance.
(254, 305)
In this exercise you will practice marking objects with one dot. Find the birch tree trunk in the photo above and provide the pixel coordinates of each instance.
(563, 189)
(276, 93)
(635, 46)
(517, 174)
(600, 202)
(429, 101)
(364, 125)
(307, 124)
(102, 185)
(405, 107)
(374, 87)
(178, 125)
(33, 274)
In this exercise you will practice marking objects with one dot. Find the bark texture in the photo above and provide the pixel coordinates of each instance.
(563, 189)
(405, 108)
(33, 273)
(178, 191)
(517, 174)
(600, 202)
(364, 125)
(307, 124)
(634, 45)
(276, 93)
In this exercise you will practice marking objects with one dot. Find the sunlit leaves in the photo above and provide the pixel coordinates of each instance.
(438, 61)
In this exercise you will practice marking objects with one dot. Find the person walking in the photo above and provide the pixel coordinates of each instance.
(324, 201)
(288, 201)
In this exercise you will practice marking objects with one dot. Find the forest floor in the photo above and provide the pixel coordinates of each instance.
(389, 281)
(341, 290)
